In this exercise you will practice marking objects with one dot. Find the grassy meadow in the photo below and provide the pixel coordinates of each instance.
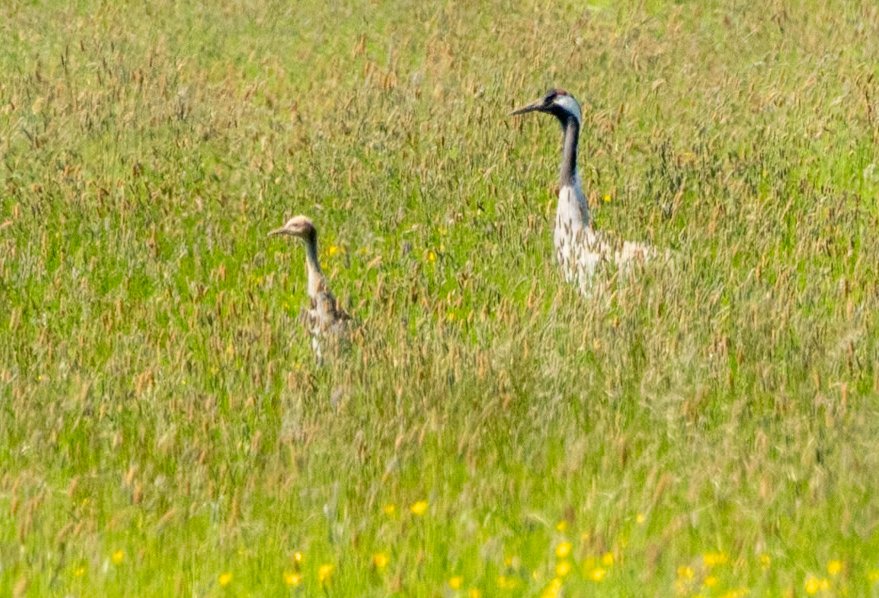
(708, 428)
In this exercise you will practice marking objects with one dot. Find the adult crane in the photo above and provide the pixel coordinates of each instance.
(579, 248)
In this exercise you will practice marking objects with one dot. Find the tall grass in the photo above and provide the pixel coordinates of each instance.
(707, 428)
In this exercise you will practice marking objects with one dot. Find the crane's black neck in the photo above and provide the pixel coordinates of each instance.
(571, 132)
(311, 251)
(316, 282)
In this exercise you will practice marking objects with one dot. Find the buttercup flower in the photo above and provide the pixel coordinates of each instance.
(419, 508)
(563, 550)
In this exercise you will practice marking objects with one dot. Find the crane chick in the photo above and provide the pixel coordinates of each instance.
(579, 247)
(325, 320)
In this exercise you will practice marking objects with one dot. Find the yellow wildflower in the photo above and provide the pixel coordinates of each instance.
(712, 559)
(563, 568)
(79, 571)
(474, 593)
(816, 584)
(873, 575)
(118, 557)
(563, 550)
(456, 582)
(292, 578)
(834, 567)
(607, 559)
(225, 579)
(419, 508)
(431, 256)
(736, 593)
(380, 560)
(710, 581)
(640, 518)
(562, 526)
(606, 198)
(298, 558)
(389, 509)
(334, 250)
(765, 561)
(686, 572)
(324, 574)
(553, 589)
(597, 574)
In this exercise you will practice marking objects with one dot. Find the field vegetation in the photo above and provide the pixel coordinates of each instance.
(709, 428)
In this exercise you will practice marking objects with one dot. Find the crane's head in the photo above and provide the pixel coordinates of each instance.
(557, 102)
(298, 226)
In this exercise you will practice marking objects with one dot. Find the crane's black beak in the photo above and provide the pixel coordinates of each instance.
(533, 107)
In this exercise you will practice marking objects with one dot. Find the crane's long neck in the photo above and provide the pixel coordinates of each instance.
(312, 266)
(571, 130)
(572, 214)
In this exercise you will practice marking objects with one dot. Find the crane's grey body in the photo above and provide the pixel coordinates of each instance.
(325, 321)
(579, 248)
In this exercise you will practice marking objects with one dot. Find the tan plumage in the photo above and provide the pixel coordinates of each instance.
(326, 322)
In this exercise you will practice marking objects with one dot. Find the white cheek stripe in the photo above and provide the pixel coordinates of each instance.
(570, 105)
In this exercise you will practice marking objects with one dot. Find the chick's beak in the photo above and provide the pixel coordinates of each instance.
(278, 231)
(535, 106)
